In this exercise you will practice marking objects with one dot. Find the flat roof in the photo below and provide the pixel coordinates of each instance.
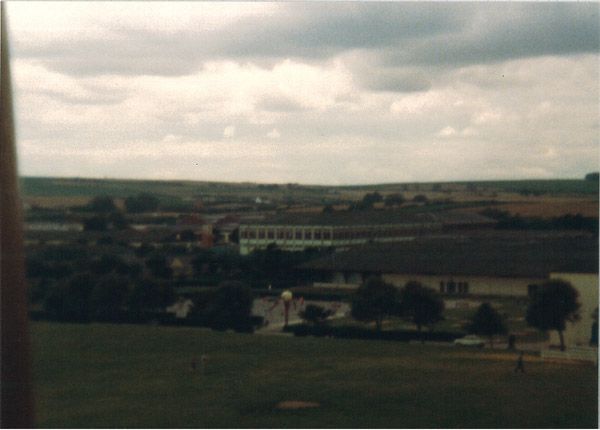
(519, 256)
(374, 217)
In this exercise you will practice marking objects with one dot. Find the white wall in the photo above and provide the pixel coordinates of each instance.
(579, 333)
(478, 285)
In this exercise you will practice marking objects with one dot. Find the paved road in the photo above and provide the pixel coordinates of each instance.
(272, 310)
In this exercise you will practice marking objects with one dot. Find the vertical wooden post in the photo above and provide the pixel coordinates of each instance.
(17, 398)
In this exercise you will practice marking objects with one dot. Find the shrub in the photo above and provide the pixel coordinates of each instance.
(315, 314)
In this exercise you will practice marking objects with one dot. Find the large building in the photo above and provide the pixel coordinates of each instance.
(490, 264)
(295, 232)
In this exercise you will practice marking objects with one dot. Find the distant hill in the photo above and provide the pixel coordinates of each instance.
(80, 187)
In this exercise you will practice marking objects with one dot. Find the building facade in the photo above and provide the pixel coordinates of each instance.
(347, 229)
(471, 266)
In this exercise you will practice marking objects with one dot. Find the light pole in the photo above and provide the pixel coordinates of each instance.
(286, 296)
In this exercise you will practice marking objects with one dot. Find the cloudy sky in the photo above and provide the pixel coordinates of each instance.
(329, 93)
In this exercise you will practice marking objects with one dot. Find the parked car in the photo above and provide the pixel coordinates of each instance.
(470, 340)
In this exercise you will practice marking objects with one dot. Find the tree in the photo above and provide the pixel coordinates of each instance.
(553, 304)
(420, 198)
(143, 202)
(70, 300)
(327, 209)
(367, 201)
(487, 322)
(231, 307)
(315, 314)
(594, 176)
(95, 223)
(144, 249)
(374, 300)
(420, 305)
(594, 336)
(395, 199)
(148, 295)
(370, 199)
(158, 266)
(105, 264)
(102, 204)
(108, 297)
(118, 221)
(204, 262)
(187, 236)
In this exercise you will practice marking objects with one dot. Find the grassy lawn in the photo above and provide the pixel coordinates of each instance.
(140, 376)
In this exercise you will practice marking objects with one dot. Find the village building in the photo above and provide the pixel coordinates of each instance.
(344, 229)
(494, 264)
(481, 266)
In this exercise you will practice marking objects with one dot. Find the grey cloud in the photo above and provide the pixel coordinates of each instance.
(93, 99)
(279, 104)
(504, 32)
(394, 80)
(126, 52)
(325, 29)
(403, 33)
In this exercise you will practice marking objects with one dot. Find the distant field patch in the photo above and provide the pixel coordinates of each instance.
(548, 207)
(554, 208)
(56, 201)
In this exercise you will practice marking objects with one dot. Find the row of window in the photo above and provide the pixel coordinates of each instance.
(285, 234)
(452, 287)
(318, 234)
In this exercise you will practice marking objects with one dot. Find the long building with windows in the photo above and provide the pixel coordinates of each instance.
(486, 266)
(295, 232)
(496, 263)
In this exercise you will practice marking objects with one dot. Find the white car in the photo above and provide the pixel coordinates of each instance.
(470, 340)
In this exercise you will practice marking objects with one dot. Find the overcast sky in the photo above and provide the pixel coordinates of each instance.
(329, 93)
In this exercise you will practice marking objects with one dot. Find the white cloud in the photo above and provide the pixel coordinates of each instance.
(447, 132)
(229, 131)
(487, 117)
(274, 134)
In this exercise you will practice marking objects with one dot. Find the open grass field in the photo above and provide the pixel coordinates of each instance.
(533, 198)
(140, 376)
(82, 187)
(120, 188)
(549, 186)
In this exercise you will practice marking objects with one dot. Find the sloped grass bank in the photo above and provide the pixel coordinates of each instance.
(102, 375)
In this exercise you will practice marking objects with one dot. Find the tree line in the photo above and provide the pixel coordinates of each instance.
(551, 307)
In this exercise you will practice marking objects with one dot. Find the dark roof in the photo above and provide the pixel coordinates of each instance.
(474, 256)
(374, 217)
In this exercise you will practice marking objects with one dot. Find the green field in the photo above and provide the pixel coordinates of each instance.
(81, 187)
(140, 376)
(543, 186)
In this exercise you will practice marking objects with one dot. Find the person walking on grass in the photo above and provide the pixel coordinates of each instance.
(520, 367)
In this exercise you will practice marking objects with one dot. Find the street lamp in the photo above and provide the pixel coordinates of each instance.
(286, 296)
